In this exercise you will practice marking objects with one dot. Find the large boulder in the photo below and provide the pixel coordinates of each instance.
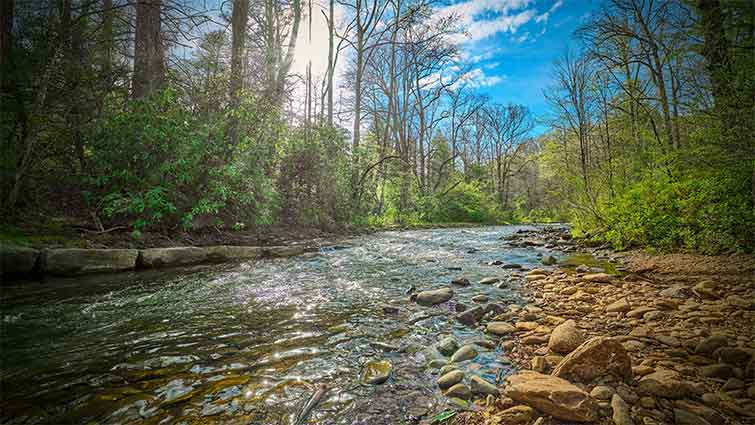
(73, 261)
(224, 253)
(169, 257)
(437, 296)
(596, 358)
(553, 396)
(17, 261)
(566, 337)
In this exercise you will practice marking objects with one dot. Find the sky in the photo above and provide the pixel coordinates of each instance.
(510, 45)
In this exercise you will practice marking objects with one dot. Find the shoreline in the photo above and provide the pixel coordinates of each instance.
(669, 339)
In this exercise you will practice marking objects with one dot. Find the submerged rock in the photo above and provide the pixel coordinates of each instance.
(448, 346)
(376, 372)
(464, 353)
(437, 296)
(489, 280)
(553, 396)
(460, 391)
(450, 379)
(462, 281)
(500, 328)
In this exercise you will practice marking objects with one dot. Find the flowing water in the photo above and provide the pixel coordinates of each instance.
(248, 343)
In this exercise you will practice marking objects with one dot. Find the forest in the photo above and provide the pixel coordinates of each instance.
(173, 116)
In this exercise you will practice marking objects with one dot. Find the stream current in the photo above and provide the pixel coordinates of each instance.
(248, 343)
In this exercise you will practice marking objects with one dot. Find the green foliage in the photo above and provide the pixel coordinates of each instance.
(159, 166)
(704, 214)
(465, 203)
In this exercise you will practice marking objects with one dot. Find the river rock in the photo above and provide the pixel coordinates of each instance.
(482, 298)
(664, 383)
(732, 355)
(706, 289)
(515, 415)
(596, 358)
(489, 280)
(720, 371)
(621, 415)
(482, 387)
(462, 281)
(512, 266)
(676, 291)
(472, 316)
(549, 260)
(466, 352)
(376, 372)
(169, 257)
(553, 396)
(710, 344)
(500, 328)
(683, 417)
(566, 337)
(448, 346)
(284, 251)
(67, 262)
(17, 261)
(450, 379)
(598, 277)
(224, 253)
(459, 391)
(437, 296)
(602, 392)
(620, 306)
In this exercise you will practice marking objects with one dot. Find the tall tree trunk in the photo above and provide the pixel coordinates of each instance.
(149, 62)
(357, 106)
(331, 64)
(238, 40)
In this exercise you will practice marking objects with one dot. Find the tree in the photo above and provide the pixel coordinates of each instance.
(149, 52)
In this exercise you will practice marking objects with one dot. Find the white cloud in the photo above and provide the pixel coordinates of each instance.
(485, 18)
(544, 17)
(477, 78)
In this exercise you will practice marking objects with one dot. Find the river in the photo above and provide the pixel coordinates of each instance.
(247, 343)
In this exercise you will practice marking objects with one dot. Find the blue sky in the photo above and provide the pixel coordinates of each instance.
(513, 43)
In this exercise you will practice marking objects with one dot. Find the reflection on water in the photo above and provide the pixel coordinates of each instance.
(248, 343)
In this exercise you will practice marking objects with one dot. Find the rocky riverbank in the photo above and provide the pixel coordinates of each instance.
(642, 340)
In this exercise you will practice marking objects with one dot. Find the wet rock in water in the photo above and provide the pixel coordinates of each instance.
(450, 379)
(621, 415)
(175, 391)
(462, 281)
(710, 344)
(16, 260)
(410, 290)
(664, 383)
(448, 346)
(376, 372)
(472, 316)
(384, 347)
(515, 415)
(453, 268)
(620, 306)
(165, 361)
(706, 289)
(500, 328)
(68, 262)
(481, 386)
(466, 352)
(598, 277)
(495, 263)
(436, 363)
(389, 309)
(566, 337)
(596, 358)
(549, 260)
(433, 297)
(512, 266)
(460, 391)
(482, 298)
(582, 268)
(553, 396)
(489, 280)
(460, 307)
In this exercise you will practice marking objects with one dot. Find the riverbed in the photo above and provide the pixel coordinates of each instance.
(249, 343)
